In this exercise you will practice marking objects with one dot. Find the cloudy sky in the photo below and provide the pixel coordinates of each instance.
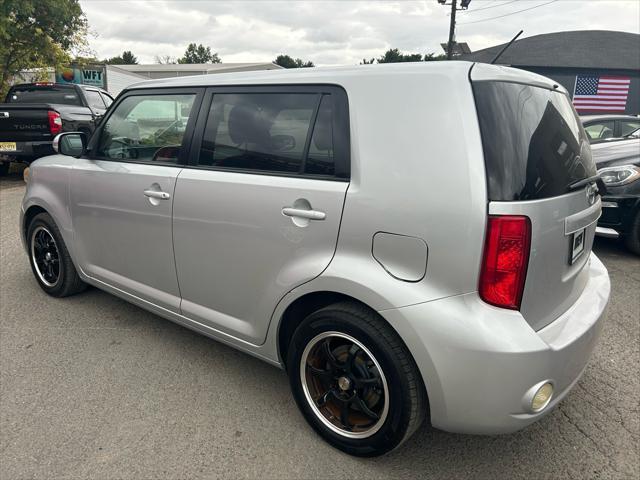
(332, 32)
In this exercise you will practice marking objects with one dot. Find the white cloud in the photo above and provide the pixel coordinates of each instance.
(331, 32)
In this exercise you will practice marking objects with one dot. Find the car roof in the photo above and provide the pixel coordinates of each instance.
(591, 118)
(342, 75)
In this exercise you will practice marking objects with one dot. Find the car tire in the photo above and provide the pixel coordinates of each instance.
(632, 239)
(4, 168)
(50, 260)
(352, 357)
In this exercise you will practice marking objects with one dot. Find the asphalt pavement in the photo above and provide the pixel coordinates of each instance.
(93, 387)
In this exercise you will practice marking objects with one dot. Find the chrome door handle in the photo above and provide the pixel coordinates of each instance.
(300, 213)
(157, 194)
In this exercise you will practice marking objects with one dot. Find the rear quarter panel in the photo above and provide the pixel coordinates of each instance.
(417, 170)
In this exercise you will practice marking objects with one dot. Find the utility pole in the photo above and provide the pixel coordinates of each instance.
(452, 30)
(464, 4)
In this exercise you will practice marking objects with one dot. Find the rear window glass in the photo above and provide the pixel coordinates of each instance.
(44, 94)
(534, 144)
(268, 132)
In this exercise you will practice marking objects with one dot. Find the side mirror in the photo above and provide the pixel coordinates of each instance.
(73, 144)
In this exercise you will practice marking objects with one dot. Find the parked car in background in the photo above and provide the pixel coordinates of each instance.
(619, 166)
(408, 241)
(34, 113)
(602, 128)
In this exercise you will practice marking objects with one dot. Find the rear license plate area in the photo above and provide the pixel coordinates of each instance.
(8, 147)
(577, 245)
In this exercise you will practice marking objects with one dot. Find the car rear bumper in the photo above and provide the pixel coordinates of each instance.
(480, 363)
(29, 150)
(617, 214)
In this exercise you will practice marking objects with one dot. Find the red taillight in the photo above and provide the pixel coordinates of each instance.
(504, 265)
(55, 122)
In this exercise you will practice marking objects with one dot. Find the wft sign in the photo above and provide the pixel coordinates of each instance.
(93, 77)
(87, 76)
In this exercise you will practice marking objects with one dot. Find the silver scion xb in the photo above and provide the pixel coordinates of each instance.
(408, 241)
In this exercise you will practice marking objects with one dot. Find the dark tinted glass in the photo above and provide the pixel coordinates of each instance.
(320, 160)
(258, 131)
(44, 94)
(534, 144)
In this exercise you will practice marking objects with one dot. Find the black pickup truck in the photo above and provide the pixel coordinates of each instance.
(34, 113)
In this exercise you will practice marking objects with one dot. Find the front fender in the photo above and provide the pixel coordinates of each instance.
(48, 189)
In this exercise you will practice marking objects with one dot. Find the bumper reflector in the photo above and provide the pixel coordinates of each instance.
(542, 397)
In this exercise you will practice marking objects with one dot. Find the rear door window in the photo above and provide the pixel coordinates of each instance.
(534, 144)
(258, 131)
(302, 132)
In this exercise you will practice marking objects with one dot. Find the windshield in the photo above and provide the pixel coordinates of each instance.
(534, 144)
(44, 94)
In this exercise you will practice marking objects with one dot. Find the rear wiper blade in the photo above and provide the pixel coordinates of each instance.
(583, 182)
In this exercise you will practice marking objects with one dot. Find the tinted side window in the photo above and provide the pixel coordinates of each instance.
(320, 160)
(94, 99)
(600, 131)
(258, 131)
(627, 127)
(146, 128)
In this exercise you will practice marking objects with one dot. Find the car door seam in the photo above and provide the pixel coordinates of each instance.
(173, 243)
(335, 250)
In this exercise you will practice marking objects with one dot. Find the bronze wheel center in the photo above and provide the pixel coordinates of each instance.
(344, 383)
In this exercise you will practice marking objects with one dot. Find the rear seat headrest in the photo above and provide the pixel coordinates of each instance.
(248, 125)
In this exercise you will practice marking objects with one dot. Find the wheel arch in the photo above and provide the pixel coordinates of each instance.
(298, 310)
(307, 303)
(29, 215)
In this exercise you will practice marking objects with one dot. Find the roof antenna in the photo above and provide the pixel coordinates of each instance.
(505, 47)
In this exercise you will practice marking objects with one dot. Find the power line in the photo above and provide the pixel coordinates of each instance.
(487, 8)
(507, 14)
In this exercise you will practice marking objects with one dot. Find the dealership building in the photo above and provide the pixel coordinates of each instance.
(115, 78)
(584, 62)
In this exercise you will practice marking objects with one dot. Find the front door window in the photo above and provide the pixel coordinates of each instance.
(146, 128)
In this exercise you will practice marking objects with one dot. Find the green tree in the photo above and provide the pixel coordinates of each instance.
(199, 54)
(289, 62)
(38, 34)
(394, 55)
(432, 57)
(127, 58)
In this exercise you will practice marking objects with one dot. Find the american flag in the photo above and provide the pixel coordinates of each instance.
(601, 94)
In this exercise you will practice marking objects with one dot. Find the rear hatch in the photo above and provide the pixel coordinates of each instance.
(536, 151)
